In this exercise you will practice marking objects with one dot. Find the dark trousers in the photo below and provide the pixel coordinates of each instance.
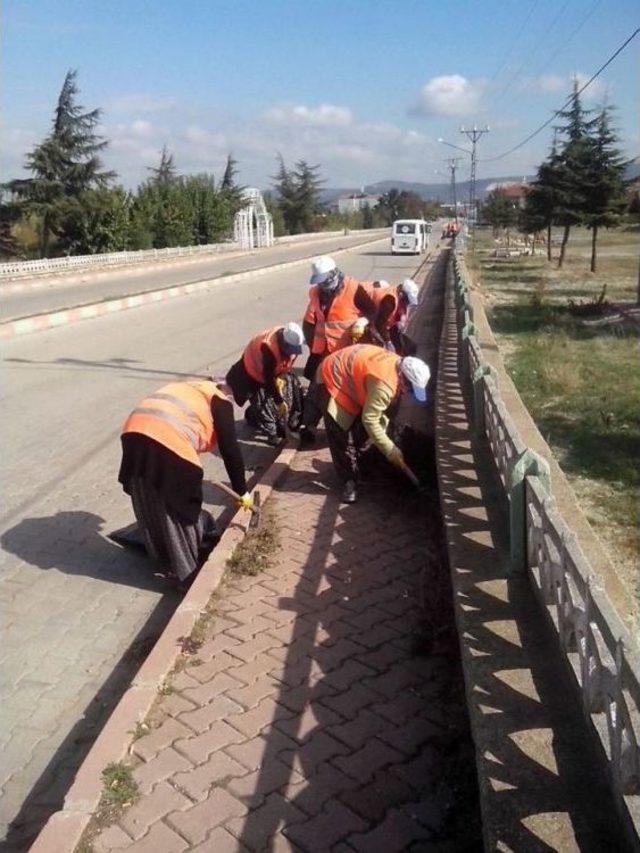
(345, 447)
(178, 546)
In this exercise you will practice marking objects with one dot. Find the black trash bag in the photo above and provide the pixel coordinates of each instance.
(262, 411)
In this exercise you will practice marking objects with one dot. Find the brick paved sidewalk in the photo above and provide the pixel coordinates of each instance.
(309, 724)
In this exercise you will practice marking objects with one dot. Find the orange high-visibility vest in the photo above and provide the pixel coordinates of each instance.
(345, 374)
(332, 332)
(252, 356)
(178, 416)
(399, 309)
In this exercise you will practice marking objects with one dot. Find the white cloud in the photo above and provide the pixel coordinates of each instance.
(450, 95)
(556, 84)
(324, 115)
(139, 102)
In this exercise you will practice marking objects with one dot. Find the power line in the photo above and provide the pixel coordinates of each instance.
(515, 40)
(567, 101)
(533, 51)
(567, 40)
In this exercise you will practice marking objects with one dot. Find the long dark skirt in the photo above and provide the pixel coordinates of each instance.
(178, 546)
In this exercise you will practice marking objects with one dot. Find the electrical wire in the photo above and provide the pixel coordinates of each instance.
(515, 39)
(567, 101)
(563, 44)
(533, 51)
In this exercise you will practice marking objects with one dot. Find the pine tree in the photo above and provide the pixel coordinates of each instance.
(572, 169)
(285, 188)
(229, 186)
(164, 174)
(540, 203)
(65, 165)
(307, 193)
(605, 189)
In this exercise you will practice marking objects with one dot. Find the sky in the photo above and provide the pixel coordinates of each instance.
(365, 88)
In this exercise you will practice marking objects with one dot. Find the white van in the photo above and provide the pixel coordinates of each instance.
(409, 236)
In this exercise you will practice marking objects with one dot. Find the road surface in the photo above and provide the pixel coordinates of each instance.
(56, 293)
(79, 613)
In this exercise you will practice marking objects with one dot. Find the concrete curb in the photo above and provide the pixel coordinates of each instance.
(64, 828)
(67, 316)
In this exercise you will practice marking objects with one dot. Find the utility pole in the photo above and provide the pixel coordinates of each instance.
(473, 134)
(452, 164)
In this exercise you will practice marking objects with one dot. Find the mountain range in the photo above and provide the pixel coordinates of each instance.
(442, 192)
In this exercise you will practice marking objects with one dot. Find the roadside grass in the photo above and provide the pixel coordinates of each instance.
(256, 552)
(580, 382)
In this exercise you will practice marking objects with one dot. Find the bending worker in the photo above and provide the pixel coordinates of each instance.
(363, 382)
(335, 303)
(267, 360)
(392, 308)
(161, 470)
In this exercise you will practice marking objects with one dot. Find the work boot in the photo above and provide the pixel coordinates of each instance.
(349, 493)
(307, 437)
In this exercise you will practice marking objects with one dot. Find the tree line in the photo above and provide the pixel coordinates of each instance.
(581, 182)
(70, 204)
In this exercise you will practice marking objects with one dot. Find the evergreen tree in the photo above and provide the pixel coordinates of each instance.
(540, 204)
(164, 174)
(605, 189)
(285, 189)
(307, 194)
(572, 169)
(65, 165)
(499, 211)
(229, 186)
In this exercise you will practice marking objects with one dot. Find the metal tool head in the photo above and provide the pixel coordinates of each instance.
(255, 513)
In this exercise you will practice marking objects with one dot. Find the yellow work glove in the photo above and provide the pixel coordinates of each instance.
(283, 409)
(396, 458)
(246, 502)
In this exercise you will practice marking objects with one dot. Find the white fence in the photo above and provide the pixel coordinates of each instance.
(18, 269)
(595, 642)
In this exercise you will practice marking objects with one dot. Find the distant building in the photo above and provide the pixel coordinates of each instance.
(514, 190)
(353, 202)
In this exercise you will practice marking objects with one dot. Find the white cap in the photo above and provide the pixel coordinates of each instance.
(410, 290)
(293, 337)
(382, 283)
(359, 326)
(321, 268)
(418, 374)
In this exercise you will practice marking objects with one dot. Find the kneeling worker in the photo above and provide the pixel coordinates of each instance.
(393, 306)
(362, 383)
(161, 470)
(267, 358)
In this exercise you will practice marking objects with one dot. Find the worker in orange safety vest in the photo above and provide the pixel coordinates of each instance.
(336, 302)
(361, 384)
(392, 309)
(261, 375)
(162, 440)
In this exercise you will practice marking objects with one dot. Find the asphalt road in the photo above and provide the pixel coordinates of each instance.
(79, 613)
(56, 293)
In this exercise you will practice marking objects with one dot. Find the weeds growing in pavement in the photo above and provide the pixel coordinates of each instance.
(120, 788)
(257, 550)
(141, 729)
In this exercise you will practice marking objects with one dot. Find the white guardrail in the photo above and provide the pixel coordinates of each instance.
(15, 269)
(596, 644)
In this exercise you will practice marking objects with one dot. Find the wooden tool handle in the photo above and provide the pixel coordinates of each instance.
(410, 474)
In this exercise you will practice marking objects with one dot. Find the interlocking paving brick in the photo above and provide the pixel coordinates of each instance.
(372, 800)
(169, 731)
(364, 763)
(357, 731)
(219, 663)
(197, 782)
(251, 695)
(326, 784)
(218, 808)
(137, 819)
(159, 838)
(254, 787)
(219, 841)
(253, 753)
(330, 826)
(218, 709)
(252, 722)
(317, 749)
(198, 748)
(210, 690)
(164, 765)
(396, 832)
(258, 828)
